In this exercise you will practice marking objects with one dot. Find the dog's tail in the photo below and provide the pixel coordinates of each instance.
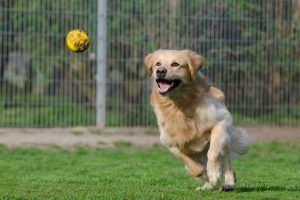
(240, 142)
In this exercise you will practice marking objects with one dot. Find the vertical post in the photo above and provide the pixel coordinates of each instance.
(101, 64)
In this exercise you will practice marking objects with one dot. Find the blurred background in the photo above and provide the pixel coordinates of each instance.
(251, 47)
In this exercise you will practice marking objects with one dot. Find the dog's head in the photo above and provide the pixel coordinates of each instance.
(172, 68)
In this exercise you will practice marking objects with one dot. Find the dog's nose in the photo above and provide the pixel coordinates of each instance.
(161, 72)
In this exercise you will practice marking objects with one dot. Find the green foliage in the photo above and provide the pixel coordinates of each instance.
(247, 47)
(38, 28)
(245, 43)
(268, 171)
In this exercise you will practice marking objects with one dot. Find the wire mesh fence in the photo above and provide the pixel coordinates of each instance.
(251, 48)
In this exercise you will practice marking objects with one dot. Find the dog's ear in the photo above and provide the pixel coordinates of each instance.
(148, 63)
(195, 62)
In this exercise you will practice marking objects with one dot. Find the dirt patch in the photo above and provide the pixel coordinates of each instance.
(125, 137)
(80, 136)
(274, 133)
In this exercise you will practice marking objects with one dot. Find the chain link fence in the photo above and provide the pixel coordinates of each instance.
(251, 47)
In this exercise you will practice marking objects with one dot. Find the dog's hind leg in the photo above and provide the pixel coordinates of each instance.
(193, 167)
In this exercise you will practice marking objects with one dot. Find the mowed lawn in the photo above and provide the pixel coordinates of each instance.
(268, 171)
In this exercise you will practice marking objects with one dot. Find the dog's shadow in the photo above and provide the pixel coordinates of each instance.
(267, 188)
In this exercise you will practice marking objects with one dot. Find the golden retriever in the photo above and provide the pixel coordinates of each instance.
(193, 121)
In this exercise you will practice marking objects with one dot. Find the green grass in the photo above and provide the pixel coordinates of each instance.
(49, 111)
(271, 119)
(269, 171)
(279, 116)
(121, 144)
(44, 111)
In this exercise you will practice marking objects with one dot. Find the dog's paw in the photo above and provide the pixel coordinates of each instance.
(206, 186)
(227, 188)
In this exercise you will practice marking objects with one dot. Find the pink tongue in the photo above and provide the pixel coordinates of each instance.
(164, 86)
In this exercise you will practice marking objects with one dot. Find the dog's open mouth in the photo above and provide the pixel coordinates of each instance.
(166, 86)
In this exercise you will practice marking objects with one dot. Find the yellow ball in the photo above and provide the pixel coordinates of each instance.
(77, 40)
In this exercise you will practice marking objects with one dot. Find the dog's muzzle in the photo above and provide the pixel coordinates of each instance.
(161, 72)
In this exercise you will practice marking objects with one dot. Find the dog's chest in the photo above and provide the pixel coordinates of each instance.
(176, 132)
(180, 131)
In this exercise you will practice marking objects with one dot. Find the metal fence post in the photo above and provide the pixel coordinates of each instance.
(101, 63)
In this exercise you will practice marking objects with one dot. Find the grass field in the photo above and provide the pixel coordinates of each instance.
(269, 171)
(51, 111)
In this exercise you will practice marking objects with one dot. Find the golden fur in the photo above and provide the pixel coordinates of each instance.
(193, 121)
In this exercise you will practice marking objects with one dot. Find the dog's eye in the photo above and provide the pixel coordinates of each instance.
(158, 64)
(174, 64)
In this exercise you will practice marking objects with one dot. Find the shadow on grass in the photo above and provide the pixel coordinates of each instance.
(267, 188)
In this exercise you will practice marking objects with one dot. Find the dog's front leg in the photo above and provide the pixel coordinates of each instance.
(195, 168)
(218, 142)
